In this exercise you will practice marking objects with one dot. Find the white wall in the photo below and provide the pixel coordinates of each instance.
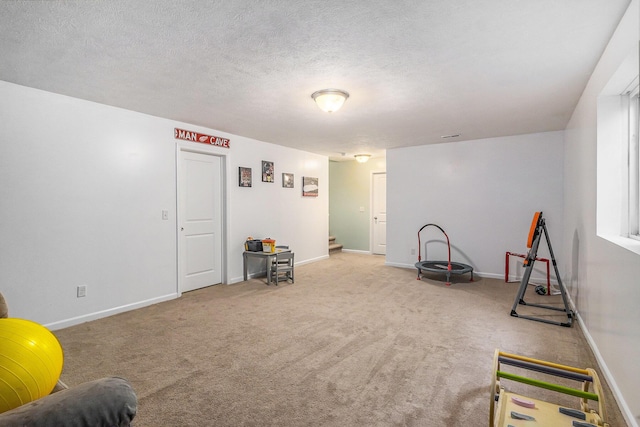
(269, 210)
(483, 193)
(604, 275)
(82, 188)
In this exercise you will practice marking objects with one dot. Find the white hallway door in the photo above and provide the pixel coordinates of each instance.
(379, 210)
(200, 220)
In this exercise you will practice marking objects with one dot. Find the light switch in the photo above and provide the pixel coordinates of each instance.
(361, 208)
(165, 215)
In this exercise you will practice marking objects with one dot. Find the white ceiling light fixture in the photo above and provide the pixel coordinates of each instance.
(362, 158)
(330, 100)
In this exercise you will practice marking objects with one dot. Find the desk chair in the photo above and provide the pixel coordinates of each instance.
(282, 267)
(282, 248)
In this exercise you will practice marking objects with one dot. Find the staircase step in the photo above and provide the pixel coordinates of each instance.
(335, 247)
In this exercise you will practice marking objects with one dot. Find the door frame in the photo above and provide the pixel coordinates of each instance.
(224, 174)
(371, 223)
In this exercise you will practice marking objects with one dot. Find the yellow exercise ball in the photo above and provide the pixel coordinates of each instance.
(30, 362)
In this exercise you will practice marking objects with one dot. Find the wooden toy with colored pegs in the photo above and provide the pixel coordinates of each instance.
(511, 409)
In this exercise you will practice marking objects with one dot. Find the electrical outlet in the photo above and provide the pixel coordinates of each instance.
(82, 291)
(413, 251)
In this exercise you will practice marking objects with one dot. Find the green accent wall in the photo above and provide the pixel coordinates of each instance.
(350, 190)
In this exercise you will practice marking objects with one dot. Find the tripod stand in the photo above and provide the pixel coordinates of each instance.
(535, 234)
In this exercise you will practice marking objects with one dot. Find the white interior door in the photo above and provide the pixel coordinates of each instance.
(200, 220)
(379, 211)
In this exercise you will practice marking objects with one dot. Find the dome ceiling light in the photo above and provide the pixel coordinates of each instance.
(330, 100)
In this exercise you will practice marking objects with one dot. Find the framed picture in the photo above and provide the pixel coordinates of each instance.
(309, 186)
(267, 171)
(287, 180)
(244, 177)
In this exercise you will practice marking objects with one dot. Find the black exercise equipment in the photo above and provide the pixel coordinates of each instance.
(535, 234)
(448, 267)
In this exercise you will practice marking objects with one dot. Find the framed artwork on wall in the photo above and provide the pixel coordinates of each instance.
(267, 171)
(309, 186)
(287, 180)
(244, 177)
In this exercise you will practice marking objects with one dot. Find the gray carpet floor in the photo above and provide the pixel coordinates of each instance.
(352, 343)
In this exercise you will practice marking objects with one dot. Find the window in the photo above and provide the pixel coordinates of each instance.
(634, 166)
(618, 156)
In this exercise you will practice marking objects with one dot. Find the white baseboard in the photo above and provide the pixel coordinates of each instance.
(475, 273)
(617, 394)
(309, 261)
(354, 251)
(398, 264)
(488, 275)
(106, 313)
(264, 273)
(533, 280)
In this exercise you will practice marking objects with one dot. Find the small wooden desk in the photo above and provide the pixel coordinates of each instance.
(267, 256)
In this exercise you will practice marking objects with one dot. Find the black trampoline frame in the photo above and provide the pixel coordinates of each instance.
(448, 267)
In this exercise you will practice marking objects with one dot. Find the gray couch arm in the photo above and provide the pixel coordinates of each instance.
(107, 402)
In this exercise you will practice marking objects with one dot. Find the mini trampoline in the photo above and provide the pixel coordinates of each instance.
(448, 267)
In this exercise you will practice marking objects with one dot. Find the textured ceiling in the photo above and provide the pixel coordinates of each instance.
(415, 69)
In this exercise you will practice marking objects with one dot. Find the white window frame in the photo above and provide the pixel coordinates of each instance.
(615, 192)
(634, 164)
